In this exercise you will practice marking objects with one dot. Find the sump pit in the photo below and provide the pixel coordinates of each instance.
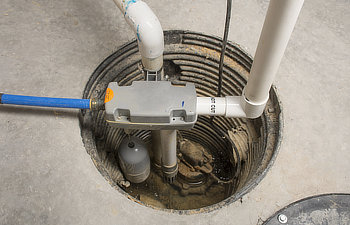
(224, 146)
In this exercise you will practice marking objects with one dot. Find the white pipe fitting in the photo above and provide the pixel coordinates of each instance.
(212, 106)
(229, 106)
(252, 109)
(148, 31)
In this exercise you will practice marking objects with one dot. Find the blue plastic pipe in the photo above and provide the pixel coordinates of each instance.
(45, 101)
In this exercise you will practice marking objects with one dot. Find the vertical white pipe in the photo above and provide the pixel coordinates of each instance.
(278, 26)
(169, 158)
(156, 148)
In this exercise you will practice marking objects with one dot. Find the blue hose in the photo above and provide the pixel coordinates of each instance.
(45, 101)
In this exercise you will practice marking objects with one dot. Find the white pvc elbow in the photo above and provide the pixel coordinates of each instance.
(148, 31)
(278, 26)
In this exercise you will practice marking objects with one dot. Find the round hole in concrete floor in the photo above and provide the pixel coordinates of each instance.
(236, 153)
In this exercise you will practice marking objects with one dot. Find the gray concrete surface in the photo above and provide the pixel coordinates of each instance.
(50, 48)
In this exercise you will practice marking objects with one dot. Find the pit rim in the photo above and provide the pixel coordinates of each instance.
(89, 145)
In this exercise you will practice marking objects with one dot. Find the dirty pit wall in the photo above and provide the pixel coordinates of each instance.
(190, 57)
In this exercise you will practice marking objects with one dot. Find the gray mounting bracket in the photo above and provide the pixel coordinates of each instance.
(153, 75)
(152, 106)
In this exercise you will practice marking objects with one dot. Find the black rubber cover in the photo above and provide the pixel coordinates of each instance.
(325, 209)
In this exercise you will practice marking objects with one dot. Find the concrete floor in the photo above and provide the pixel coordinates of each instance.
(50, 48)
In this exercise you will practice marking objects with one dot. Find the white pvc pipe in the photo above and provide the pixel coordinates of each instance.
(278, 26)
(212, 106)
(168, 143)
(156, 147)
(229, 106)
(148, 31)
(169, 158)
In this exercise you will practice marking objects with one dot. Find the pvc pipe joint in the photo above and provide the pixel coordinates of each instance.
(148, 31)
(252, 109)
(230, 106)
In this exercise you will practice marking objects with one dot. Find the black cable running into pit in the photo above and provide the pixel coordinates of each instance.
(224, 43)
(221, 68)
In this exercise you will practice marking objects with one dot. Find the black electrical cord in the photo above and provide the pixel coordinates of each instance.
(224, 43)
(223, 49)
(221, 68)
